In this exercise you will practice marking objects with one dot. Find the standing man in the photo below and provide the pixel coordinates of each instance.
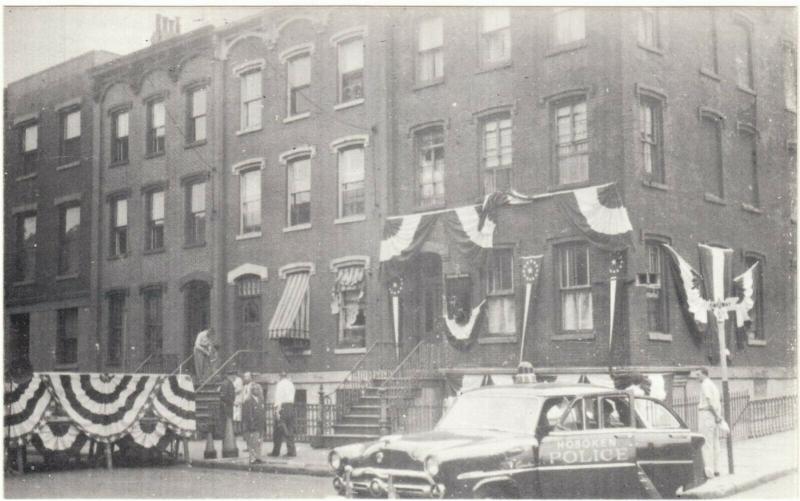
(205, 354)
(284, 410)
(709, 416)
(227, 397)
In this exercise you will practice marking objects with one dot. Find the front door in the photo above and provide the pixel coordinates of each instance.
(196, 308)
(430, 279)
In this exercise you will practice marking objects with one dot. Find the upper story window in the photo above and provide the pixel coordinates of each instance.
(742, 49)
(575, 287)
(572, 141)
(156, 127)
(430, 52)
(298, 70)
(29, 143)
(351, 69)
(430, 166)
(119, 136)
(70, 224)
(250, 201)
(197, 115)
(647, 28)
(756, 328)
(298, 174)
(70, 136)
(711, 154)
(569, 25)
(152, 299)
(501, 306)
(67, 336)
(657, 306)
(652, 136)
(116, 328)
(25, 252)
(747, 155)
(251, 97)
(154, 239)
(119, 227)
(351, 180)
(496, 152)
(195, 215)
(790, 75)
(710, 58)
(495, 38)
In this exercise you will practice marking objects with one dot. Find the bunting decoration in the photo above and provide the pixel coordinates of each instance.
(690, 291)
(462, 336)
(716, 268)
(175, 404)
(614, 271)
(59, 437)
(598, 213)
(25, 407)
(150, 434)
(531, 268)
(745, 292)
(403, 236)
(462, 226)
(395, 289)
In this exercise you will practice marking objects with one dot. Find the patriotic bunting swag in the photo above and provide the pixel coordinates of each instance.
(598, 213)
(25, 407)
(744, 290)
(531, 268)
(59, 437)
(462, 336)
(690, 291)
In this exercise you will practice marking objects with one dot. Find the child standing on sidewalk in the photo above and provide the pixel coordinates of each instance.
(254, 420)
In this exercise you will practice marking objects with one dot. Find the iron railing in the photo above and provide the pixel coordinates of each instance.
(235, 357)
(373, 364)
(180, 368)
(158, 363)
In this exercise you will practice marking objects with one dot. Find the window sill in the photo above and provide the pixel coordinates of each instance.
(714, 199)
(118, 163)
(659, 336)
(429, 83)
(649, 48)
(297, 227)
(756, 342)
(295, 118)
(194, 245)
(70, 165)
(23, 283)
(156, 154)
(148, 252)
(746, 90)
(749, 208)
(71, 276)
(573, 336)
(349, 351)
(655, 185)
(567, 47)
(348, 104)
(710, 74)
(493, 66)
(242, 132)
(499, 339)
(117, 257)
(500, 293)
(350, 219)
(195, 144)
(25, 177)
(248, 236)
(568, 186)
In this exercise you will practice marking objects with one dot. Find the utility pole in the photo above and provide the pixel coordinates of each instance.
(721, 310)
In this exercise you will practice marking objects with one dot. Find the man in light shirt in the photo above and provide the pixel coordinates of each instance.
(284, 410)
(709, 417)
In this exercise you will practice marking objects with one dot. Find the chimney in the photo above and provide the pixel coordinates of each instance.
(166, 27)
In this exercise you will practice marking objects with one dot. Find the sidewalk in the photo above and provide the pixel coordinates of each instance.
(307, 462)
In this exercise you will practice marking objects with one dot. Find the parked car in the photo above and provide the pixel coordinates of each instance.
(545, 440)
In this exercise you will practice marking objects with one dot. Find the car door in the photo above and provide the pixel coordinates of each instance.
(664, 447)
(583, 459)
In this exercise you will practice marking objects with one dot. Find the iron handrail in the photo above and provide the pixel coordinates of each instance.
(179, 369)
(357, 365)
(225, 364)
(136, 370)
(401, 365)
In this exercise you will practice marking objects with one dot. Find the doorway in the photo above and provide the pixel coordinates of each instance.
(196, 310)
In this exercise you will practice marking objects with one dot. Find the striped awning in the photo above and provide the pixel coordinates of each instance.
(290, 319)
(350, 278)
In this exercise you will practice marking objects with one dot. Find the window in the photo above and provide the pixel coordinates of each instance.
(430, 166)
(26, 247)
(119, 134)
(248, 308)
(153, 321)
(572, 141)
(743, 56)
(657, 307)
(647, 33)
(116, 327)
(756, 328)
(299, 192)
(652, 137)
(70, 224)
(495, 41)
(19, 345)
(710, 60)
(155, 220)
(569, 25)
(119, 227)
(251, 96)
(746, 154)
(711, 154)
(496, 153)
(352, 299)
(67, 334)
(30, 147)
(501, 307)
(351, 69)
(250, 201)
(298, 70)
(654, 415)
(430, 55)
(196, 115)
(70, 136)
(156, 127)
(790, 75)
(576, 288)
(195, 213)
(351, 181)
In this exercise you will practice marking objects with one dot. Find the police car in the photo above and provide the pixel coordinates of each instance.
(545, 440)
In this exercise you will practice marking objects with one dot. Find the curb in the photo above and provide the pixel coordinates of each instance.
(288, 469)
(732, 487)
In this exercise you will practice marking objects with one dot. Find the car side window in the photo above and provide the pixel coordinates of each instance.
(616, 412)
(653, 414)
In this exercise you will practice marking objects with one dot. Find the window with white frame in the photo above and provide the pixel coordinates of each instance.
(70, 222)
(500, 303)
(70, 136)
(298, 70)
(496, 152)
(430, 52)
(119, 227)
(351, 180)
(352, 306)
(29, 147)
(790, 75)
(196, 115)
(250, 201)
(495, 37)
(575, 288)
(119, 136)
(25, 255)
(569, 25)
(430, 166)
(195, 213)
(756, 328)
(652, 137)
(657, 306)
(351, 69)
(572, 141)
(711, 154)
(156, 127)
(647, 28)
(250, 99)
(743, 55)
(298, 176)
(154, 201)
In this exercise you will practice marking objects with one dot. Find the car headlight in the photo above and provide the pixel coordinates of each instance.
(335, 460)
(432, 466)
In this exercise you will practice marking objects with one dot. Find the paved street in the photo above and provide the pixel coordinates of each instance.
(782, 488)
(168, 482)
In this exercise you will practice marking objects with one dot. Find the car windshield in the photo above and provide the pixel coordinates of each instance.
(492, 413)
